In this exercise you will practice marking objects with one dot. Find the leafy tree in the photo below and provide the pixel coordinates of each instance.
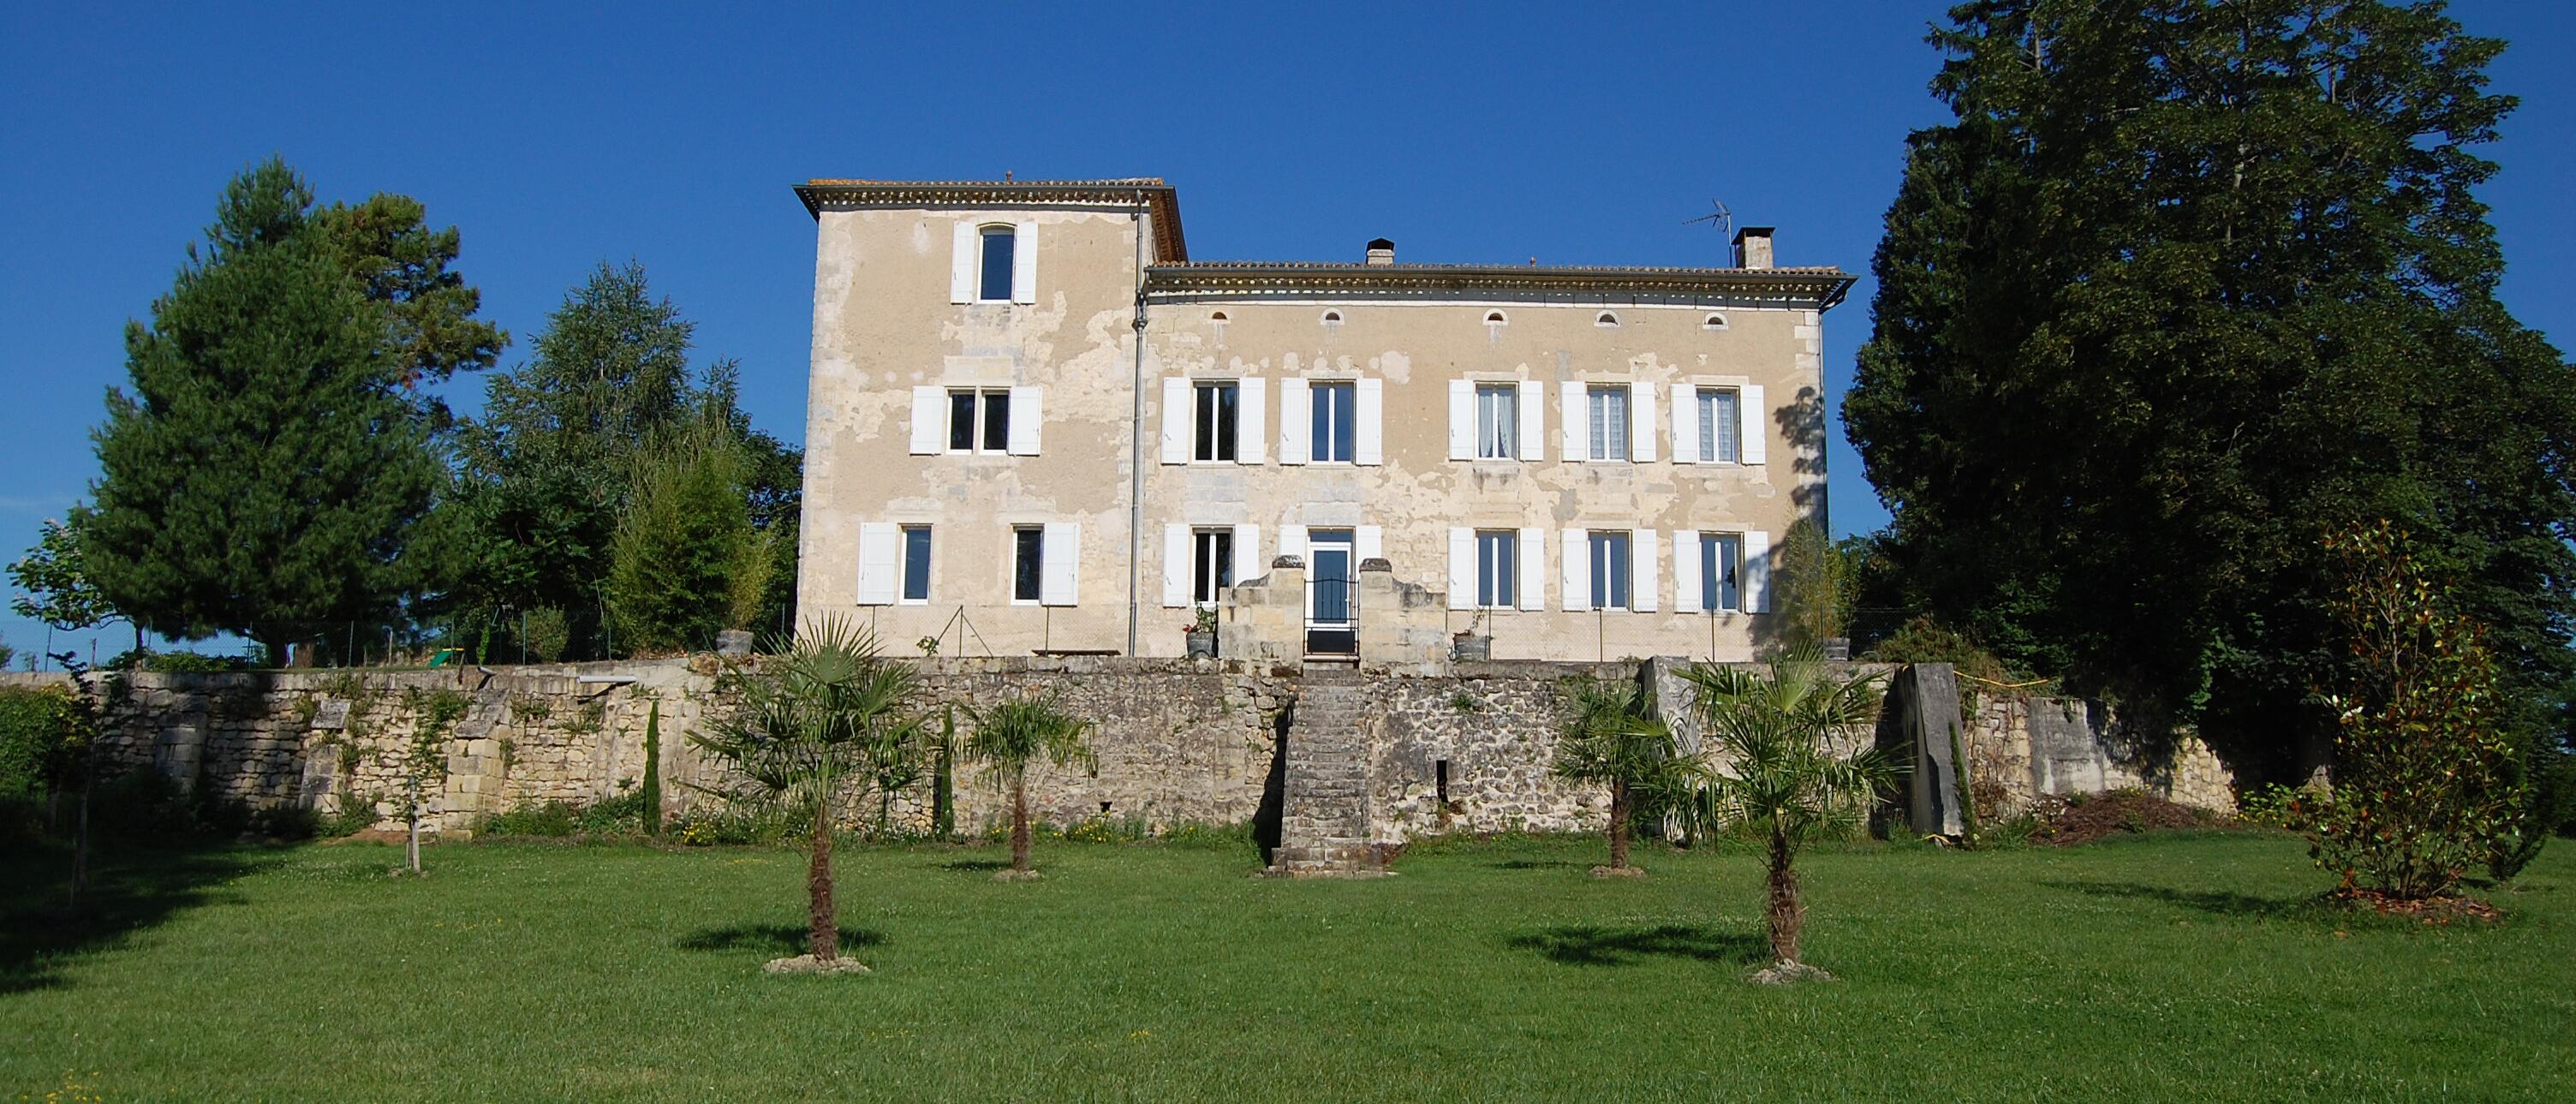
(405, 266)
(1613, 739)
(816, 725)
(1010, 736)
(686, 561)
(2423, 786)
(265, 472)
(2184, 284)
(1773, 775)
(54, 590)
(545, 477)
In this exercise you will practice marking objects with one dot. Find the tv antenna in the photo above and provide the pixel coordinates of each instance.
(1720, 218)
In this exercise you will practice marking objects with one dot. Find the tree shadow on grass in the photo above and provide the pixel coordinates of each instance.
(975, 866)
(131, 888)
(2215, 902)
(1600, 945)
(779, 939)
(1538, 864)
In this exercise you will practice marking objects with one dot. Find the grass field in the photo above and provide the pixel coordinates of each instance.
(2167, 968)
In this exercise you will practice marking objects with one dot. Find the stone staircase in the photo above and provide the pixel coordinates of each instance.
(1323, 821)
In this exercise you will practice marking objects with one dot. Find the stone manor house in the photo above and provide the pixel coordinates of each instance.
(1037, 426)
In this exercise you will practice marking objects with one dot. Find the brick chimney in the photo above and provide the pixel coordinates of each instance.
(1381, 251)
(1753, 247)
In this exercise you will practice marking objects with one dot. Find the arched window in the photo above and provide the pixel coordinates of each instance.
(1496, 318)
(1219, 316)
(1332, 318)
(1607, 319)
(1713, 322)
(993, 271)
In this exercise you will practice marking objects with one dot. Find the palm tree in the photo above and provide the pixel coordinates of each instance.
(829, 715)
(1612, 738)
(1007, 738)
(1772, 776)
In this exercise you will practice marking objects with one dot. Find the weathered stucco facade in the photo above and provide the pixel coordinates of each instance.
(1349, 410)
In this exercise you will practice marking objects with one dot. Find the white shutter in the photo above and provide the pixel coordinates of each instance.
(1058, 563)
(1176, 565)
(1462, 420)
(1294, 430)
(1577, 447)
(1756, 413)
(1533, 416)
(1251, 421)
(929, 419)
(1369, 444)
(1176, 420)
(1643, 549)
(961, 264)
(1248, 564)
(1757, 572)
(879, 542)
(1462, 568)
(1532, 554)
(1292, 540)
(1024, 263)
(1578, 571)
(1686, 426)
(1027, 414)
(1641, 423)
(1368, 542)
(1686, 597)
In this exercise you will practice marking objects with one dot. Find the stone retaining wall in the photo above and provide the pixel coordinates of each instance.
(1452, 746)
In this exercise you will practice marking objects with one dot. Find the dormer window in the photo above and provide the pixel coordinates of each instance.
(1607, 320)
(993, 284)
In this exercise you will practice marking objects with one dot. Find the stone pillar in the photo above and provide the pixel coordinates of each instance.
(1928, 696)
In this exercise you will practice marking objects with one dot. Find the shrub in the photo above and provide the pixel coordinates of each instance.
(2423, 779)
(43, 732)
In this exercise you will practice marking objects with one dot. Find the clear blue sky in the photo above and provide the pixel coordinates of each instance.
(558, 137)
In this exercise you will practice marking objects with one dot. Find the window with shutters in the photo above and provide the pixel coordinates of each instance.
(1606, 408)
(979, 421)
(1211, 565)
(1497, 568)
(1610, 570)
(993, 264)
(1028, 563)
(916, 563)
(1718, 425)
(1214, 427)
(1721, 569)
(1333, 409)
(1498, 421)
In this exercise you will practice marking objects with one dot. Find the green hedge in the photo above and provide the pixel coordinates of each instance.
(41, 738)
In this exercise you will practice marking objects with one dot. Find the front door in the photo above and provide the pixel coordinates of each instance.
(1332, 593)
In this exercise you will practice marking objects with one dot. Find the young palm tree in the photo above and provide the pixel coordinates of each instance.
(1613, 739)
(1772, 776)
(830, 715)
(1007, 738)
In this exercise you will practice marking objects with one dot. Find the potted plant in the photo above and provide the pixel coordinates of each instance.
(1202, 633)
(1471, 642)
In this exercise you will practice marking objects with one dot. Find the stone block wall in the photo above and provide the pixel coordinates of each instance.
(1451, 746)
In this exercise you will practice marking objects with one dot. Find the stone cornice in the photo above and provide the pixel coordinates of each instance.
(1817, 287)
(1155, 195)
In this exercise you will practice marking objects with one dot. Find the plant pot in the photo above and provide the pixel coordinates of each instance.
(1470, 646)
(1202, 644)
(1838, 649)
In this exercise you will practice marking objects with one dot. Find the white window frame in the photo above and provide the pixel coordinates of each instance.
(1602, 445)
(1705, 426)
(1318, 414)
(1212, 563)
(1498, 585)
(1012, 581)
(981, 419)
(1205, 435)
(1604, 585)
(1495, 441)
(903, 564)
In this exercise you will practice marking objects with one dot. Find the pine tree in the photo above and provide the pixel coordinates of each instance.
(264, 472)
(2186, 285)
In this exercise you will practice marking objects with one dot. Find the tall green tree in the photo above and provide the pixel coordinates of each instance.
(265, 470)
(685, 562)
(53, 589)
(545, 477)
(2185, 285)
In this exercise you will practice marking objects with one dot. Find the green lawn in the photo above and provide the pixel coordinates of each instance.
(2176, 968)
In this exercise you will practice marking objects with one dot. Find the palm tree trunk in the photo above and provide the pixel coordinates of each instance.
(1020, 821)
(822, 921)
(1786, 913)
(1618, 826)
